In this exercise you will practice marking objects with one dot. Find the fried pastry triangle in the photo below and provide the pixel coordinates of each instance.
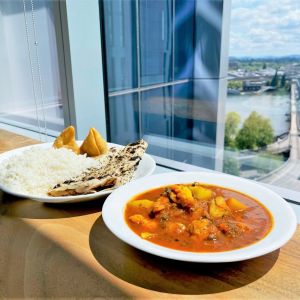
(94, 144)
(67, 140)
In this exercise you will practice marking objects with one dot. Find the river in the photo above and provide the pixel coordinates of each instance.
(270, 105)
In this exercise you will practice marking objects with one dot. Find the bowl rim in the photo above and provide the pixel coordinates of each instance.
(114, 207)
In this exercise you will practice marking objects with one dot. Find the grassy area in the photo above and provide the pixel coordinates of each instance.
(281, 91)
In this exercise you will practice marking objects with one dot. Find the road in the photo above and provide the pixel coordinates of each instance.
(288, 175)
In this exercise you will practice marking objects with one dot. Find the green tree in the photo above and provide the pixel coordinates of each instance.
(264, 66)
(256, 132)
(274, 81)
(288, 86)
(235, 84)
(232, 122)
(283, 81)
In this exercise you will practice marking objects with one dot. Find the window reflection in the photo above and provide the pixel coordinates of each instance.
(177, 126)
(184, 39)
(156, 41)
(124, 118)
(120, 41)
(194, 115)
(157, 112)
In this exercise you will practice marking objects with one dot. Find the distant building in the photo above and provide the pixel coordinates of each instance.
(233, 65)
(233, 92)
(252, 86)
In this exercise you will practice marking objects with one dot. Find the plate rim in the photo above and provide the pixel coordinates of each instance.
(64, 199)
(244, 253)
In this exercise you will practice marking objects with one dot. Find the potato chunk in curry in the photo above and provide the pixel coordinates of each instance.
(144, 203)
(235, 205)
(201, 193)
(182, 195)
(218, 208)
(144, 222)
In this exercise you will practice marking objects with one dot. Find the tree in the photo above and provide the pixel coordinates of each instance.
(256, 132)
(264, 66)
(288, 86)
(274, 81)
(232, 122)
(235, 84)
(283, 81)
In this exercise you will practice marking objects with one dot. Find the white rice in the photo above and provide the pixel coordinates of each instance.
(37, 170)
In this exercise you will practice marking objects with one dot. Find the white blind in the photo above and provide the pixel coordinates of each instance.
(30, 92)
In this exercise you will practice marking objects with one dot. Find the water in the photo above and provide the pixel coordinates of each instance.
(268, 105)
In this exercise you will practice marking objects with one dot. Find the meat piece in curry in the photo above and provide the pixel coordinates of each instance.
(197, 217)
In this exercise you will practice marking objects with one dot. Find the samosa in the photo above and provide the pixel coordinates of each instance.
(94, 144)
(67, 140)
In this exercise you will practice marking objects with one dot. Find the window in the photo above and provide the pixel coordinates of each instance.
(176, 93)
(30, 88)
(168, 78)
(262, 124)
(155, 91)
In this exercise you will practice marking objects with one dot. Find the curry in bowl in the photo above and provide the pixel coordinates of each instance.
(198, 218)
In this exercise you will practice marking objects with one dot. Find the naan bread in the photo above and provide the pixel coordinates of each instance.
(115, 169)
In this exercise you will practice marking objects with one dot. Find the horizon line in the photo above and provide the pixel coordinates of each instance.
(264, 56)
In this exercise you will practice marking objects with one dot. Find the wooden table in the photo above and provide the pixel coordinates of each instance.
(66, 251)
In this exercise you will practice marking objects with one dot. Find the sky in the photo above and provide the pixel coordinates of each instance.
(265, 28)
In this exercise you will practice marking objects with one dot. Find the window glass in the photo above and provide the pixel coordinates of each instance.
(30, 92)
(121, 47)
(172, 128)
(157, 112)
(177, 119)
(262, 108)
(243, 121)
(124, 109)
(184, 39)
(194, 114)
(156, 41)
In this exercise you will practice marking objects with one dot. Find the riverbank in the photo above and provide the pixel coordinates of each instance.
(275, 106)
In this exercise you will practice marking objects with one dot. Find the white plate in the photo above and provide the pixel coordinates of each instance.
(145, 168)
(283, 228)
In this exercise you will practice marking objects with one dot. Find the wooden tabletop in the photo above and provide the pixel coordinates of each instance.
(65, 250)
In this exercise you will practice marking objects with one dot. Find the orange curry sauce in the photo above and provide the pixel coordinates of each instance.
(177, 221)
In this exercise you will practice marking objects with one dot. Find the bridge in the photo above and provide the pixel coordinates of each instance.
(281, 145)
(264, 89)
(250, 77)
(288, 175)
(287, 142)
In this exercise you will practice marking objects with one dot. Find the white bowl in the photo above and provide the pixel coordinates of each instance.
(283, 228)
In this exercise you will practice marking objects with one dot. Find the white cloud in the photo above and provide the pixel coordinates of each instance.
(265, 27)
